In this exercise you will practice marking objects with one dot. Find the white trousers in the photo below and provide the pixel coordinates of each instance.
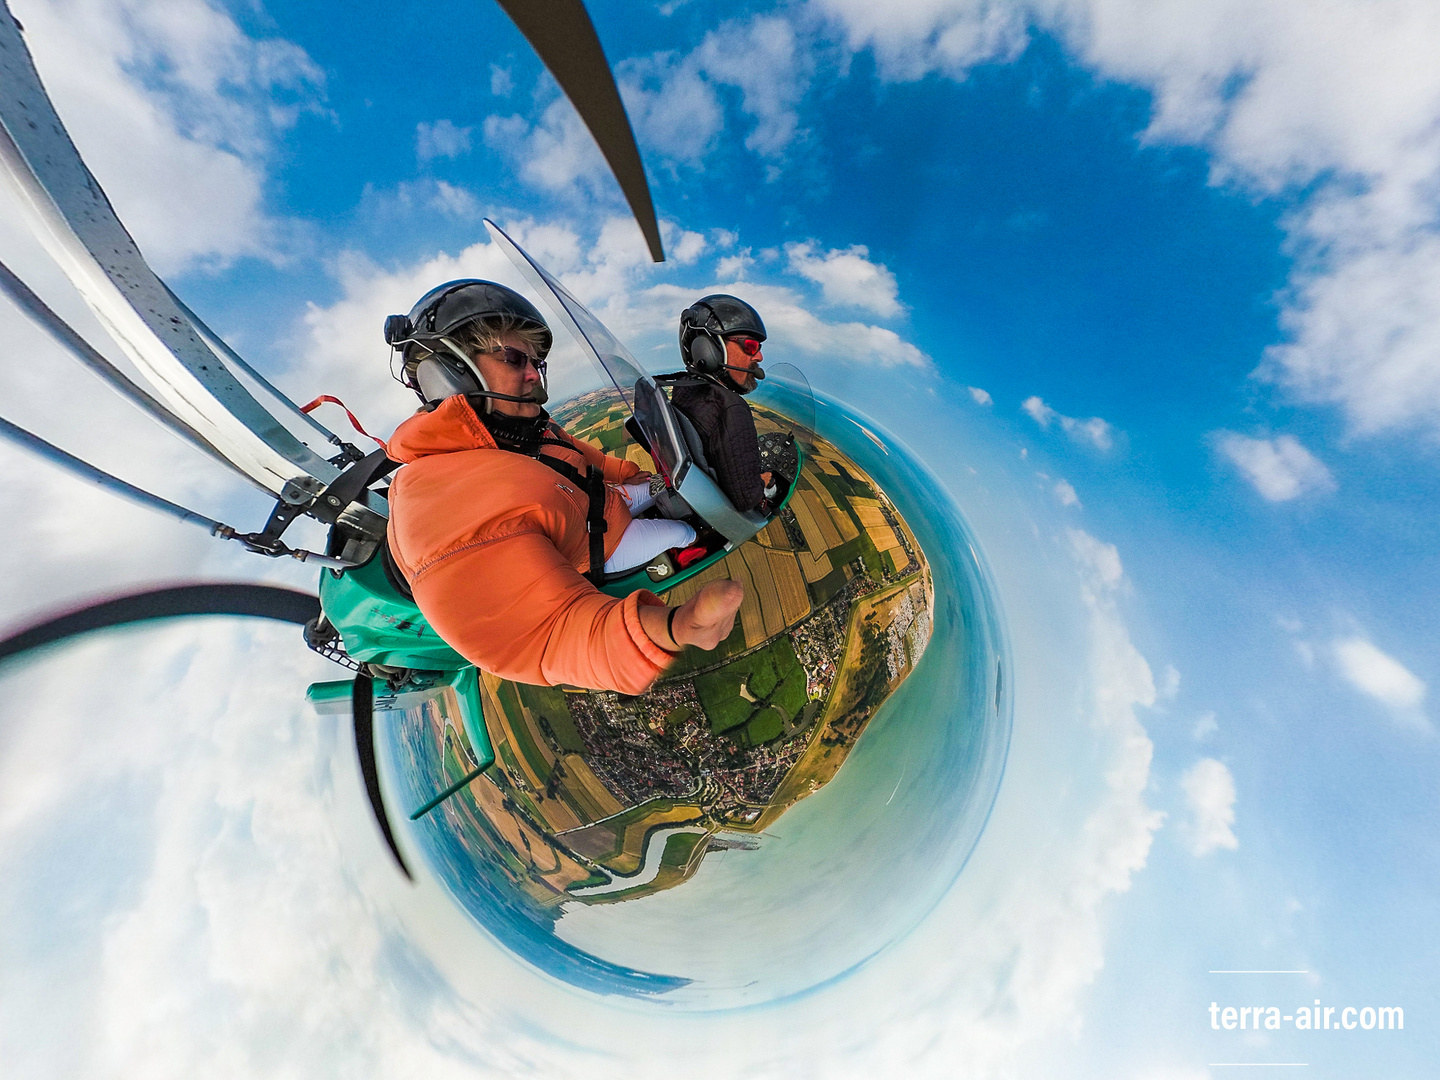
(644, 538)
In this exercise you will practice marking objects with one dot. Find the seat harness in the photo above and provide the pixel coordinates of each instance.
(529, 436)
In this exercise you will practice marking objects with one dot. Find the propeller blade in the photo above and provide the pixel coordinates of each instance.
(218, 598)
(561, 33)
(362, 704)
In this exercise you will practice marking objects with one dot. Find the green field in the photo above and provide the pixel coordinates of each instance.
(679, 847)
(773, 677)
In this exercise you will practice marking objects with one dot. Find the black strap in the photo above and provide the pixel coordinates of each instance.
(596, 525)
(592, 482)
(347, 487)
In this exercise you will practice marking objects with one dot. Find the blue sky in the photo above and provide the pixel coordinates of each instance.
(1151, 287)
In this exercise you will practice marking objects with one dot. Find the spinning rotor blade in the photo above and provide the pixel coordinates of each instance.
(218, 598)
(561, 33)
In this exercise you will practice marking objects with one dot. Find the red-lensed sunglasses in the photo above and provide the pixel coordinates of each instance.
(748, 345)
(516, 358)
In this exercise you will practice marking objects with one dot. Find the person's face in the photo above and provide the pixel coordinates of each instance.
(748, 363)
(505, 378)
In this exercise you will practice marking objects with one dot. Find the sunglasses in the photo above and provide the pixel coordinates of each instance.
(748, 345)
(516, 358)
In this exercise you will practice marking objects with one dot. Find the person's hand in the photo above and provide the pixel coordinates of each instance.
(707, 618)
(704, 620)
(767, 478)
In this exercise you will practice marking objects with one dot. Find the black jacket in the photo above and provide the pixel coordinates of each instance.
(727, 431)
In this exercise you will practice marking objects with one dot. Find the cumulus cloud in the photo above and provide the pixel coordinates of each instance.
(176, 111)
(441, 139)
(912, 40)
(677, 100)
(1337, 106)
(1380, 676)
(848, 277)
(733, 267)
(1279, 469)
(556, 153)
(1092, 432)
(1210, 796)
(980, 397)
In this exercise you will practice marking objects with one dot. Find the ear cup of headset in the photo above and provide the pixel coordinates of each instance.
(707, 352)
(701, 348)
(439, 377)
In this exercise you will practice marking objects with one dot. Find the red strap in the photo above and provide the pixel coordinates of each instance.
(326, 398)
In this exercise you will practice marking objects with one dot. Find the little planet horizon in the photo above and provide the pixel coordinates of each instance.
(597, 799)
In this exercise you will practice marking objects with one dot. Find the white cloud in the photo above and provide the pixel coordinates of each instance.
(1038, 411)
(555, 154)
(1102, 563)
(733, 267)
(455, 201)
(1065, 494)
(1094, 431)
(1378, 674)
(762, 60)
(848, 277)
(441, 139)
(1335, 105)
(176, 111)
(502, 82)
(676, 101)
(1279, 468)
(1204, 727)
(1210, 795)
(672, 105)
(682, 246)
(981, 397)
(911, 40)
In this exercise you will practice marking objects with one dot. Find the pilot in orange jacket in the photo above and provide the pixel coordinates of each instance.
(488, 516)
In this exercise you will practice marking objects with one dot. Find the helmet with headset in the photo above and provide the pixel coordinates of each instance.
(435, 361)
(705, 325)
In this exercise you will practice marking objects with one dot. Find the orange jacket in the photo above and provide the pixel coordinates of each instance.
(493, 544)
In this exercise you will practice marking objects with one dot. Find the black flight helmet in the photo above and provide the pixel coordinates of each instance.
(434, 366)
(705, 325)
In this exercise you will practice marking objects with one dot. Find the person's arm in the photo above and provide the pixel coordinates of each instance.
(517, 608)
(737, 457)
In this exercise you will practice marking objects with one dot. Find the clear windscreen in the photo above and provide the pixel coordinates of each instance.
(784, 391)
(595, 339)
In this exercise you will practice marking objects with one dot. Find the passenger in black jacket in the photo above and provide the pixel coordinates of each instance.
(720, 342)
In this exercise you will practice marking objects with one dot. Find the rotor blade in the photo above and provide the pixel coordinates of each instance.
(68, 338)
(71, 217)
(230, 356)
(362, 704)
(561, 33)
(217, 598)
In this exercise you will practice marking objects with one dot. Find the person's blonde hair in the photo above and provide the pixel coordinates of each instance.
(484, 335)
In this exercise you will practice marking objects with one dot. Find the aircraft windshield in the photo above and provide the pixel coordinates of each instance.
(603, 347)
